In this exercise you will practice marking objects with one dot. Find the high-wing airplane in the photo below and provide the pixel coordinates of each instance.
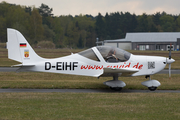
(100, 61)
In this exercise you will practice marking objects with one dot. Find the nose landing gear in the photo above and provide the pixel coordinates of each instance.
(152, 88)
(151, 84)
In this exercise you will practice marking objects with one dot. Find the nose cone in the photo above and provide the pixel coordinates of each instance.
(169, 61)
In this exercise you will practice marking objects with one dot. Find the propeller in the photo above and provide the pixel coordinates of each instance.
(169, 61)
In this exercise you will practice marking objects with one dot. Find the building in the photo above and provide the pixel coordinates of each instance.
(147, 41)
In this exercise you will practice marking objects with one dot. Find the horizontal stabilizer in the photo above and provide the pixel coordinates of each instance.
(21, 65)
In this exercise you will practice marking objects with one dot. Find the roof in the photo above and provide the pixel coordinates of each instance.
(148, 37)
(153, 37)
(115, 41)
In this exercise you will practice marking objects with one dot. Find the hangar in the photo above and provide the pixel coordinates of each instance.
(147, 41)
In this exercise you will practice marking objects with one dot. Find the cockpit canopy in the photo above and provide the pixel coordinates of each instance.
(113, 54)
(109, 53)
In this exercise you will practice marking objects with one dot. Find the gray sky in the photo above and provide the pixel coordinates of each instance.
(93, 7)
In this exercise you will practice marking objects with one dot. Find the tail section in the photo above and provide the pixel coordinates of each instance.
(19, 49)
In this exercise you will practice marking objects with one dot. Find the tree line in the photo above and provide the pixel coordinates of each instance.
(39, 25)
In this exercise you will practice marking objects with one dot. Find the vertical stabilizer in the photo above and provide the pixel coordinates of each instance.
(19, 49)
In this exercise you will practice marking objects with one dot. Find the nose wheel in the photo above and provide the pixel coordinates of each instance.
(152, 88)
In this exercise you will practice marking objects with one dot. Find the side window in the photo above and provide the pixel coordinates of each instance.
(89, 53)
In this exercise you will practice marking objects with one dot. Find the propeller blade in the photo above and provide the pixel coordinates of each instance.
(169, 71)
(170, 61)
(170, 52)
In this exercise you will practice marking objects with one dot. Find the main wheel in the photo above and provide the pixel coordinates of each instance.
(116, 88)
(152, 88)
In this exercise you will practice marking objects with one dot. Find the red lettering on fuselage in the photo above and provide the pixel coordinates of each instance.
(97, 67)
(136, 66)
(84, 67)
(121, 66)
(140, 67)
(128, 66)
(90, 67)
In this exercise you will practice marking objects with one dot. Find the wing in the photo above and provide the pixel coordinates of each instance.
(124, 71)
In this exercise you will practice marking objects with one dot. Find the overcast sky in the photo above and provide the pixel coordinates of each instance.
(93, 7)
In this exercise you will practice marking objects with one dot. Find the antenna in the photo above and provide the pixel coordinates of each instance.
(70, 50)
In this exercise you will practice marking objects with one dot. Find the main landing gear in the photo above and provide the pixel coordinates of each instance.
(115, 84)
(151, 84)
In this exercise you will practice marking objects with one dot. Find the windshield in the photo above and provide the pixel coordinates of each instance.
(89, 54)
(113, 54)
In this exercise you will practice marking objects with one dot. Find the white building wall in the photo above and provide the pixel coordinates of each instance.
(111, 44)
(125, 46)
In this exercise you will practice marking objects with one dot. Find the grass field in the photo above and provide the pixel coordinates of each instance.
(90, 106)
(54, 81)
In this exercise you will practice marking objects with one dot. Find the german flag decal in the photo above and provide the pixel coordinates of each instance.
(22, 45)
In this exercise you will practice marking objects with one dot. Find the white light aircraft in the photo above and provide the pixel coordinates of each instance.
(100, 61)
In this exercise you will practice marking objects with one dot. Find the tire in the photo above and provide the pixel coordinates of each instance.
(116, 88)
